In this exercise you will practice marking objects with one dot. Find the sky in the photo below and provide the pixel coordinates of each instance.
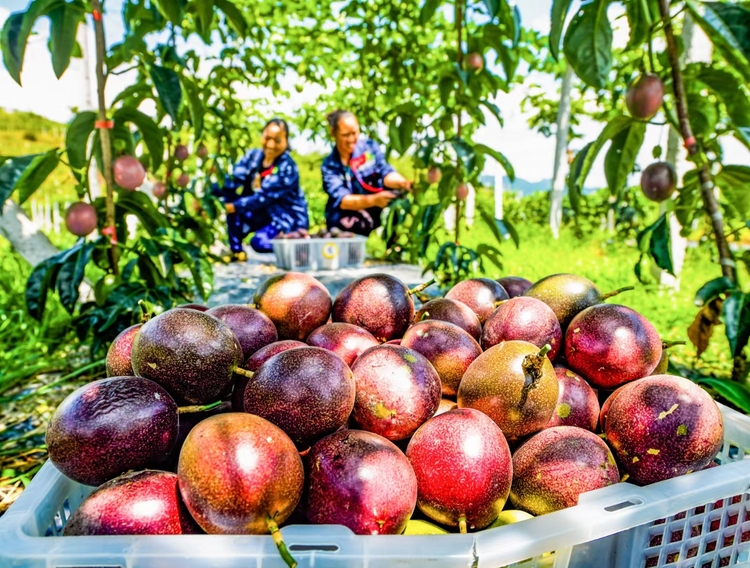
(531, 154)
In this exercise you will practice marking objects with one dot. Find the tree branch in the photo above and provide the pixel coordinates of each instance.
(710, 203)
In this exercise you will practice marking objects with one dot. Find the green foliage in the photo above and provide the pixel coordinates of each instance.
(717, 105)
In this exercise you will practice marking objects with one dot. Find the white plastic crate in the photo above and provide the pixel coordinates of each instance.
(700, 520)
(319, 254)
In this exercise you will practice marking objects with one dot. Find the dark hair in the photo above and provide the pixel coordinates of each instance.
(334, 117)
(281, 123)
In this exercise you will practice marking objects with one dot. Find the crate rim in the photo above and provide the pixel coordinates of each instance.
(556, 531)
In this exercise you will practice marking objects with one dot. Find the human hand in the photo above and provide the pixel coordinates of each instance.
(229, 207)
(383, 198)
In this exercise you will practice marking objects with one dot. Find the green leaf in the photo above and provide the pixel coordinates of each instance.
(70, 276)
(204, 15)
(736, 393)
(428, 11)
(713, 289)
(64, 27)
(445, 86)
(493, 7)
(171, 10)
(138, 204)
(494, 109)
(655, 240)
(501, 159)
(703, 113)
(167, 84)
(736, 309)
(490, 221)
(34, 175)
(588, 44)
(727, 25)
(150, 132)
(507, 228)
(492, 253)
(394, 136)
(581, 168)
(16, 32)
(465, 153)
(733, 182)
(406, 132)
(576, 171)
(620, 159)
(234, 16)
(729, 89)
(560, 10)
(197, 110)
(77, 142)
(13, 45)
(639, 20)
(42, 279)
(10, 172)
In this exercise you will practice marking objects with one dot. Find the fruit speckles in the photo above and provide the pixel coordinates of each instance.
(688, 438)
(463, 468)
(109, 426)
(449, 348)
(394, 399)
(188, 352)
(410, 358)
(346, 485)
(500, 384)
(664, 414)
(308, 392)
(296, 303)
(379, 303)
(563, 410)
(615, 345)
(480, 294)
(232, 480)
(555, 466)
(118, 355)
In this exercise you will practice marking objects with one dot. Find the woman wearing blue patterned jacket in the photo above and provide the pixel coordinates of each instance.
(263, 194)
(357, 178)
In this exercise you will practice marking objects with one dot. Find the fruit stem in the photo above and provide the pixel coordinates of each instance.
(670, 344)
(532, 371)
(244, 372)
(418, 289)
(145, 316)
(198, 408)
(618, 291)
(462, 524)
(278, 540)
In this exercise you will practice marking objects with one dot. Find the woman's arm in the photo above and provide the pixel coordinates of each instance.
(359, 202)
(395, 180)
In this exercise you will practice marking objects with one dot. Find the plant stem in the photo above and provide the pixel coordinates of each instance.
(244, 372)
(462, 524)
(278, 540)
(710, 203)
(418, 289)
(198, 408)
(101, 81)
(616, 292)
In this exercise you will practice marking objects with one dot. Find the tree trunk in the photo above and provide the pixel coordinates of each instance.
(561, 153)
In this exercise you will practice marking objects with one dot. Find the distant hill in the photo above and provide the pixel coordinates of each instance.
(28, 122)
(527, 188)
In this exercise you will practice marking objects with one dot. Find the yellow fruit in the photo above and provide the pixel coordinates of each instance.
(416, 527)
(510, 516)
